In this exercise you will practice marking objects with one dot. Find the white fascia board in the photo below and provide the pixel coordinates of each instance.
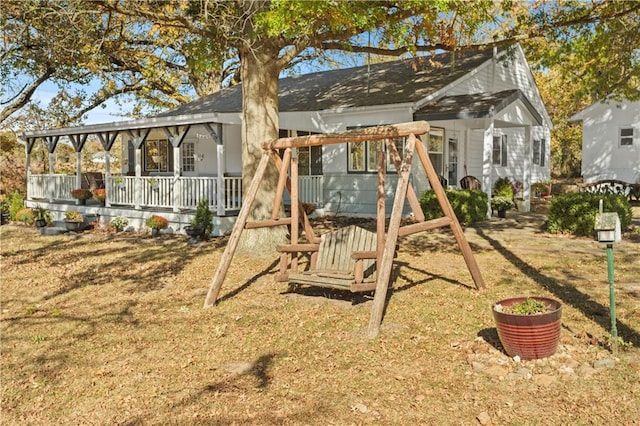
(142, 123)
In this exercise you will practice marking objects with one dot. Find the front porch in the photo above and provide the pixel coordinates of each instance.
(138, 197)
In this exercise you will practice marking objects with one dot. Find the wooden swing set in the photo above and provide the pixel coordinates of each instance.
(350, 258)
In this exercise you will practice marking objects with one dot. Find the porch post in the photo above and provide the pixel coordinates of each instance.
(51, 181)
(487, 159)
(177, 184)
(216, 135)
(78, 171)
(176, 135)
(138, 183)
(221, 169)
(107, 178)
(28, 148)
(138, 136)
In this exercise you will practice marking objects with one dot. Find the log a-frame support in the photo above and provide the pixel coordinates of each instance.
(387, 238)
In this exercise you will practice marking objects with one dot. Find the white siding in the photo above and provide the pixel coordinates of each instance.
(602, 156)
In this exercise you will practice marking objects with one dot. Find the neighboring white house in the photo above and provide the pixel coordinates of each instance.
(610, 141)
(486, 115)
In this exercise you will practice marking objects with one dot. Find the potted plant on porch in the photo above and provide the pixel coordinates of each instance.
(528, 327)
(156, 223)
(81, 194)
(73, 220)
(100, 195)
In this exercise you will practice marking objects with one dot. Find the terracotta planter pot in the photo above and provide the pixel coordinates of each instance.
(529, 336)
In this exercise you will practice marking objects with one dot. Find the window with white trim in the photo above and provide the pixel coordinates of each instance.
(156, 155)
(188, 157)
(625, 136)
(499, 152)
(539, 151)
(363, 156)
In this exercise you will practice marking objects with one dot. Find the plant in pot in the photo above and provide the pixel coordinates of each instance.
(202, 223)
(73, 220)
(100, 195)
(119, 223)
(81, 194)
(156, 223)
(528, 327)
(42, 216)
(501, 204)
(541, 189)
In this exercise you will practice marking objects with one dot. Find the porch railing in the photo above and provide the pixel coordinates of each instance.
(166, 191)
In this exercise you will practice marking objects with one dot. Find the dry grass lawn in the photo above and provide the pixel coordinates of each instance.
(109, 329)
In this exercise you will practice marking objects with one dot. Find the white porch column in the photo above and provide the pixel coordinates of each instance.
(138, 183)
(78, 171)
(177, 183)
(487, 158)
(27, 148)
(220, 181)
(107, 178)
(52, 189)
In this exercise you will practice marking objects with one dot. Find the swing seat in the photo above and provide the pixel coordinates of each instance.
(344, 259)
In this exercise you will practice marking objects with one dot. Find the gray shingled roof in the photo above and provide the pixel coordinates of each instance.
(475, 105)
(385, 83)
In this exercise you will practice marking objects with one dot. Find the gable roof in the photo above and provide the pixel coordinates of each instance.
(402, 81)
(475, 105)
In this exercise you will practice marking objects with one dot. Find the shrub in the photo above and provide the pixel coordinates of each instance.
(25, 215)
(469, 205)
(156, 222)
(42, 213)
(575, 212)
(503, 188)
(16, 203)
(204, 218)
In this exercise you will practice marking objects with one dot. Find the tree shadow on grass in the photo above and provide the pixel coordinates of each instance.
(593, 310)
(266, 271)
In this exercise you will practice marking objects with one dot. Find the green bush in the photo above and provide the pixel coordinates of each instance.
(16, 203)
(204, 218)
(575, 212)
(469, 205)
(503, 188)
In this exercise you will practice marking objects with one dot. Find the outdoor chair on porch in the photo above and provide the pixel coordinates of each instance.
(92, 180)
(470, 182)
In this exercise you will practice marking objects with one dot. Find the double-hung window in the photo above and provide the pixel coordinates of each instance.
(539, 152)
(625, 136)
(499, 152)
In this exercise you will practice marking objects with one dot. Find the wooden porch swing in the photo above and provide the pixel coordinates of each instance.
(350, 258)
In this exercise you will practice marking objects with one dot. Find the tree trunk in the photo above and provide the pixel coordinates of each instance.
(260, 72)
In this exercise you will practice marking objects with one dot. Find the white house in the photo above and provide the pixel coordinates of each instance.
(610, 141)
(486, 115)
